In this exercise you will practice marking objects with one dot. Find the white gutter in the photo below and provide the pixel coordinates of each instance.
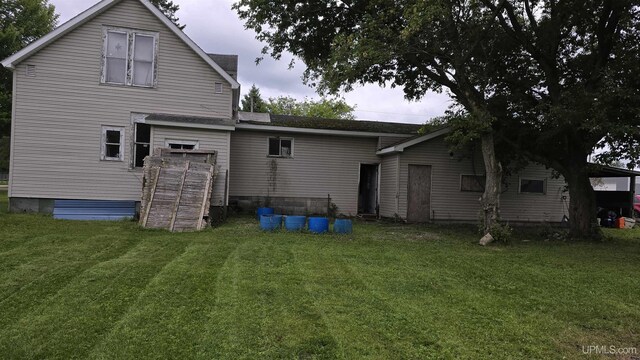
(400, 147)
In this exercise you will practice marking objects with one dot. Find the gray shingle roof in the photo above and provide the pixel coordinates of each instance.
(228, 63)
(190, 119)
(338, 124)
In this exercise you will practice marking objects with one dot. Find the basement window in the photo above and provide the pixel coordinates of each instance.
(182, 144)
(533, 186)
(112, 143)
(142, 143)
(280, 147)
(472, 183)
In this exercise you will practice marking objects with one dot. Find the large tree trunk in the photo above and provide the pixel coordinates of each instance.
(582, 202)
(490, 199)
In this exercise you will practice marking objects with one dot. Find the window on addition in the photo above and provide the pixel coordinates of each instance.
(182, 144)
(280, 147)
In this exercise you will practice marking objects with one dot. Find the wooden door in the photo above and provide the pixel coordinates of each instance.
(419, 193)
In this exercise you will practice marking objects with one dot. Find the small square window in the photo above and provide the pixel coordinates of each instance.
(472, 183)
(218, 88)
(280, 147)
(534, 186)
(112, 143)
(30, 71)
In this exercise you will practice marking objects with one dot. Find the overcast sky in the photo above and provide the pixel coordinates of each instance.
(217, 29)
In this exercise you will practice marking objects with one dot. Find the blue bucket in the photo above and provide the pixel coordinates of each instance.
(318, 225)
(270, 222)
(342, 226)
(294, 223)
(264, 211)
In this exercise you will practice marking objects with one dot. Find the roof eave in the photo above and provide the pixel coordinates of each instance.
(398, 148)
(273, 128)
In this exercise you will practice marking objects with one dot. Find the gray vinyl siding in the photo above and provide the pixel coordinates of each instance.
(59, 113)
(449, 203)
(320, 165)
(389, 186)
(207, 140)
(384, 141)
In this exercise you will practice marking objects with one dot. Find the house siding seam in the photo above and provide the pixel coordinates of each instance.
(59, 113)
(321, 165)
(449, 203)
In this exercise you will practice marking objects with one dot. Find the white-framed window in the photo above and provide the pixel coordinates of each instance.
(181, 144)
(112, 143)
(129, 57)
(472, 183)
(217, 87)
(280, 147)
(533, 186)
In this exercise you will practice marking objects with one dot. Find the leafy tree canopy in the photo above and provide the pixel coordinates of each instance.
(169, 8)
(323, 108)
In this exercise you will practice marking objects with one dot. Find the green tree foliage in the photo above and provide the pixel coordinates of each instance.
(21, 22)
(550, 80)
(253, 101)
(4, 154)
(323, 108)
(169, 8)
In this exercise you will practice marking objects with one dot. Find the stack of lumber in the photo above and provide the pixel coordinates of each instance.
(177, 189)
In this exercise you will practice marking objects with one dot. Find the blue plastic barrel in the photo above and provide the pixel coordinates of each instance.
(318, 225)
(294, 223)
(264, 211)
(270, 222)
(342, 226)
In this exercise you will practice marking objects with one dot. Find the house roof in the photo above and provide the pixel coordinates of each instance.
(97, 9)
(405, 143)
(600, 171)
(228, 63)
(303, 122)
(190, 121)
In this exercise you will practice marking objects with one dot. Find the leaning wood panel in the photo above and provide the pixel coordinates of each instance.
(177, 191)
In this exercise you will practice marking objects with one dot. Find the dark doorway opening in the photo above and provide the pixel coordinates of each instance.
(368, 189)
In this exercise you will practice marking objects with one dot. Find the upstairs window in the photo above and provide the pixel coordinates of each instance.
(534, 186)
(472, 183)
(280, 147)
(129, 57)
(112, 143)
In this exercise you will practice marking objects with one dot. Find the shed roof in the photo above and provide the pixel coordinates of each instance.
(600, 171)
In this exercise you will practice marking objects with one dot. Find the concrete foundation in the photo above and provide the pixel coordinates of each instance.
(281, 205)
(30, 205)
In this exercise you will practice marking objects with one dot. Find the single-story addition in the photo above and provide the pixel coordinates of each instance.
(96, 95)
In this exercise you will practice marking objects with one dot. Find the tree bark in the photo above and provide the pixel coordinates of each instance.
(582, 202)
(490, 199)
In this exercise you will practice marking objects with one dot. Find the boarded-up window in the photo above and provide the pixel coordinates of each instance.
(281, 147)
(112, 143)
(474, 183)
(535, 186)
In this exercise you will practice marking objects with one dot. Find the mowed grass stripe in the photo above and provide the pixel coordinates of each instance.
(172, 310)
(72, 321)
(263, 309)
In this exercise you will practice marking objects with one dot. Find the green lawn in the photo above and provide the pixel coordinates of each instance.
(111, 290)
